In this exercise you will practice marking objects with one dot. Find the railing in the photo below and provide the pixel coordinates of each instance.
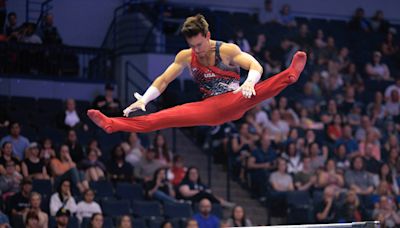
(41, 7)
(55, 61)
(372, 224)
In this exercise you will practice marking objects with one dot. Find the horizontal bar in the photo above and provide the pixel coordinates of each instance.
(369, 224)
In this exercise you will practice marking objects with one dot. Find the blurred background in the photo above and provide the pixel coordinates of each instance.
(324, 150)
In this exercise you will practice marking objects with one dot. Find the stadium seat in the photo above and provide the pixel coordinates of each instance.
(129, 191)
(103, 189)
(114, 208)
(146, 209)
(44, 187)
(177, 210)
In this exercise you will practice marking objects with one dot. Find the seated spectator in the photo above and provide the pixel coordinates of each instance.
(204, 218)
(75, 148)
(277, 127)
(193, 189)
(389, 47)
(386, 213)
(280, 180)
(94, 169)
(87, 207)
(4, 221)
(35, 201)
(10, 181)
(62, 218)
(7, 155)
(48, 32)
(118, 169)
(329, 177)
(163, 154)
(64, 168)
(378, 22)
(240, 40)
(258, 49)
(70, 118)
(178, 170)
(391, 142)
(359, 180)
(358, 22)
(62, 199)
(107, 104)
(286, 18)
(293, 158)
(19, 142)
(192, 223)
(303, 38)
(377, 70)
(166, 224)
(351, 210)
(160, 188)
(288, 114)
(33, 167)
(96, 221)
(28, 34)
(124, 222)
(341, 158)
(32, 220)
(148, 165)
(47, 151)
(334, 130)
(305, 179)
(238, 218)
(133, 149)
(267, 14)
(317, 157)
(20, 201)
(319, 41)
(370, 145)
(347, 140)
(385, 174)
(366, 126)
(389, 89)
(94, 145)
(392, 106)
(11, 26)
(326, 210)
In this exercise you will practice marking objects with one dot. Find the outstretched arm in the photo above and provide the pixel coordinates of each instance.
(247, 62)
(160, 84)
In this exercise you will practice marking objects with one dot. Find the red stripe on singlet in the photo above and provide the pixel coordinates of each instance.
(214, 69)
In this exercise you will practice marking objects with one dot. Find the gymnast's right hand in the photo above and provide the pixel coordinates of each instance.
(139, 104)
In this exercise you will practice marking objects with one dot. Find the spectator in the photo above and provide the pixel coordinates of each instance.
(62, 218)
(47, 151)
(238, 218)
(125, 222)
(10, 182)
(193, 189)
(358, 179)
(7, 156)
(96, 221)
(393, 87)
(160, 188)
(385, 174)
(166, 224)
(11, 26)
(75, 148)
(259, 48)
(19, 142)
(35, 201)
(306, 178)
(370, 145)
(358, 22)
(326, 211)
(87, 207)
(347, 140)
(351, 210)
(392, 106)
(317, 157)
(286, 18)
(94, 145)
(376, 70)
(62, 199)
(267, 14)
(49, 32)
(148, 165)
(28, 34)
(33, 167)
(319, 41)
(280, 180)
(118, 168)
(288, 114)
(378, 22)
(64, 168)
(163, 154)
(341, 158)
(20, 201)
(204, 218)
(240, 40)
(32, 220)
(334, 130)
(94, 169)
(178, 170)
(133, 149)
(192, 223)
(277, 127)
(386, 213)
(366, 126)
(293, 158)
(303, 38)
(329, 177)
(107, 104)
(4, 221)
(70, 118)
(389, 48)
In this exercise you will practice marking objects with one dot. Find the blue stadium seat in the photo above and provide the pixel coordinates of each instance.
(114, 208)
(155, 223)
(299, 207)
(138, 222)
(177, 210)
(129, 191)
(146, 209)
(44, 187)
(103, 189)
(50, 105)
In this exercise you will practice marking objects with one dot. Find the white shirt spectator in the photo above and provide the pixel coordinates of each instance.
(71, 118)
(56, 204)
(86, 210)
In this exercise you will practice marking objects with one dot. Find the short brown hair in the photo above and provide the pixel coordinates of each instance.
(195, 25)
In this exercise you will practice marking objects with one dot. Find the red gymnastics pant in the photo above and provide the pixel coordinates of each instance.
(211, 111)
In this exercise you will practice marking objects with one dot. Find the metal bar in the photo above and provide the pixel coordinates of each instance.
(368, 224)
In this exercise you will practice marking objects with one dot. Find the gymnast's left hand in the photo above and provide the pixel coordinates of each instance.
(247, 89)
(139, 104)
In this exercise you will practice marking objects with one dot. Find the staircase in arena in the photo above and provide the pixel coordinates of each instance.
(193, 156)
(36, 9)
